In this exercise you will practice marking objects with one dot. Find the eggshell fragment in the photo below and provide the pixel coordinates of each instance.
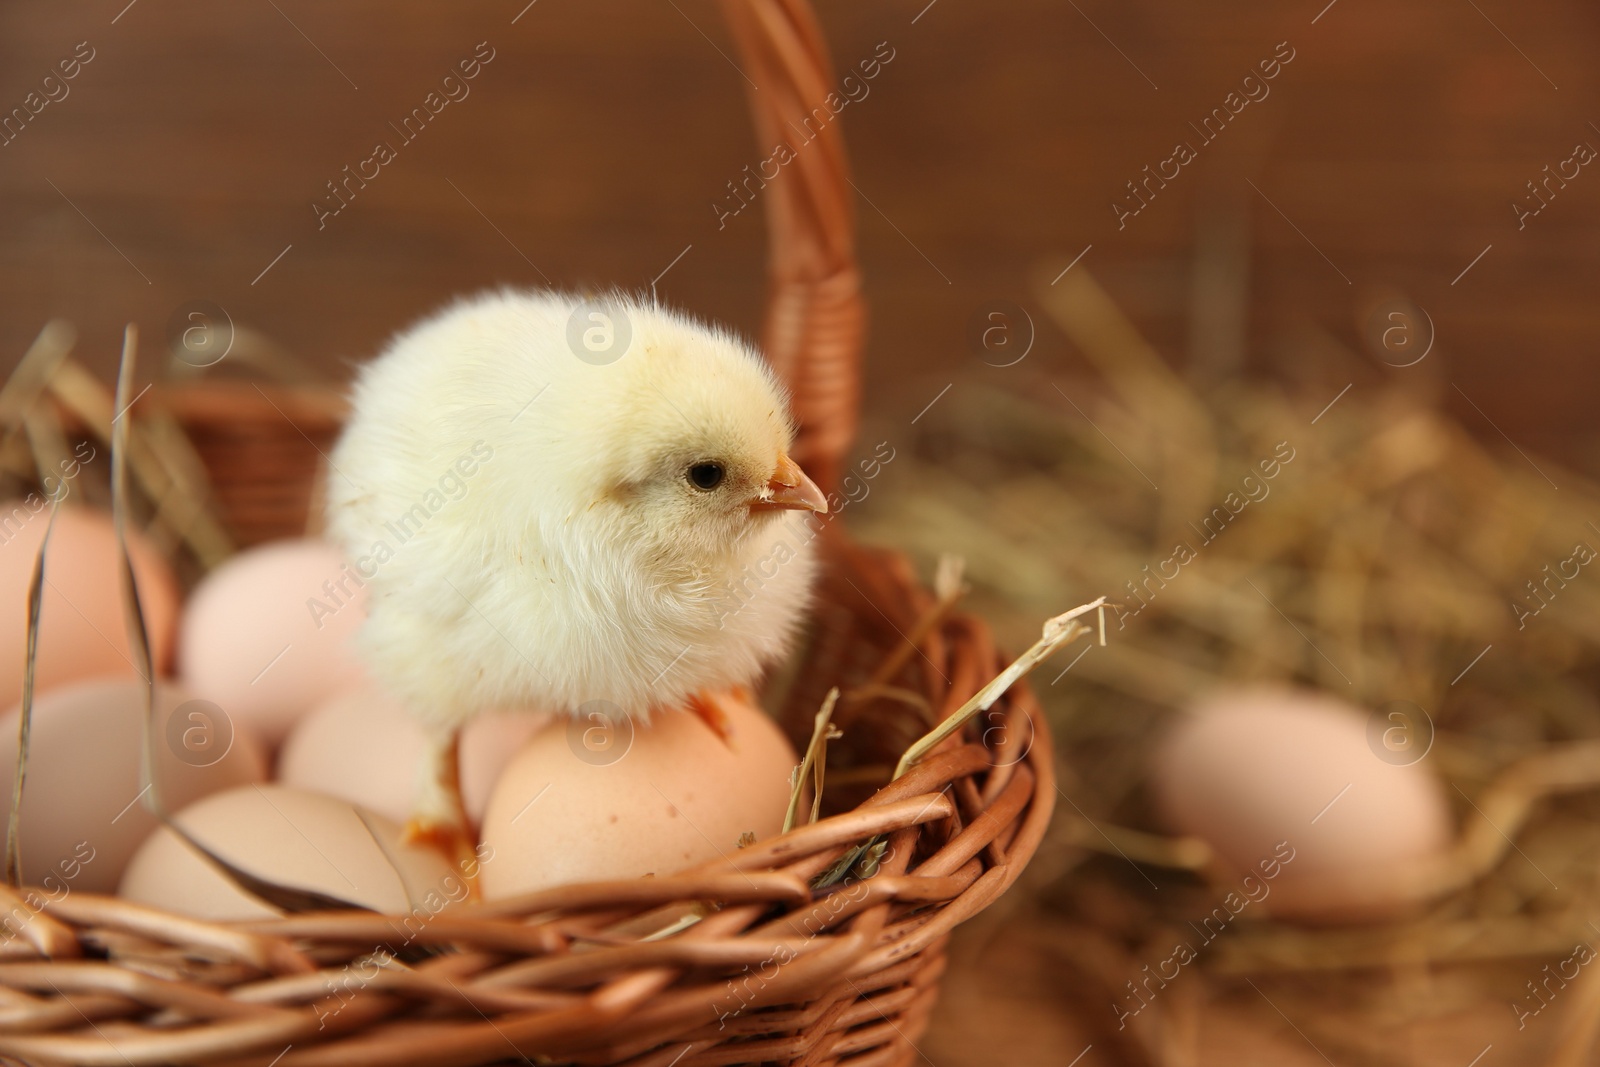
(654, 799)
(1266, 774)
(83, 792)
(267, 635)
(292, 838)
(364, 747)
(81, 629)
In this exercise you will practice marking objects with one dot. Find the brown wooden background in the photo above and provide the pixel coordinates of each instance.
(989, 149)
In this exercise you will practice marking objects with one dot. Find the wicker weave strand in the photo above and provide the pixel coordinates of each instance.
(517, 983)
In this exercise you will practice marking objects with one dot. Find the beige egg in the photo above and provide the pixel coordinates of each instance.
(81, 629)
(267, 635)
(364, 747)
(586, 800)
(292, 838)
(1298, 794)
(83, 789)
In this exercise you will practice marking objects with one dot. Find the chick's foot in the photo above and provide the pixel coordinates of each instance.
(707, 706)
(453, 842)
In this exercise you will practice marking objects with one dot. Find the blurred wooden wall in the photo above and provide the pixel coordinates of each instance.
(187, 154)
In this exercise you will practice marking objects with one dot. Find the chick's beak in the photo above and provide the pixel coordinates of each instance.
(790, 490)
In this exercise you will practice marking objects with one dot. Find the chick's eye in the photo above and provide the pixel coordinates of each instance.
(706, 475)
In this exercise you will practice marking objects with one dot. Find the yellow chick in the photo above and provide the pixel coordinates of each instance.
(565, 504)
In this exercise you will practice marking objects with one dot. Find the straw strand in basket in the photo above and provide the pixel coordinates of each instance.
(290, 898)
(25, 716)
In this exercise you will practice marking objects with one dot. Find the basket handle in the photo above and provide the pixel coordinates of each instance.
(815, 317)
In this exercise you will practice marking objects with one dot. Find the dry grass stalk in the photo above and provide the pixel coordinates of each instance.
(166, 473)
(25, 715)
(1058, 631)
(814, 761)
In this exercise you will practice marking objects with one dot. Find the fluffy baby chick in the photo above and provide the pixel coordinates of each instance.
(546, 524)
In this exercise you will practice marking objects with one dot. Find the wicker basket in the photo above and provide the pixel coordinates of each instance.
(776, 971)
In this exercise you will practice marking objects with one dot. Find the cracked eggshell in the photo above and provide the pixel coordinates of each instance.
(571, 809)
(267, 635)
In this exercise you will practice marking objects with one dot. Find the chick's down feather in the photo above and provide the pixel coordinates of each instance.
(542, 527)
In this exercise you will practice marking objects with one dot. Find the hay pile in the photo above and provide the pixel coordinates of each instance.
(1388, 558)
